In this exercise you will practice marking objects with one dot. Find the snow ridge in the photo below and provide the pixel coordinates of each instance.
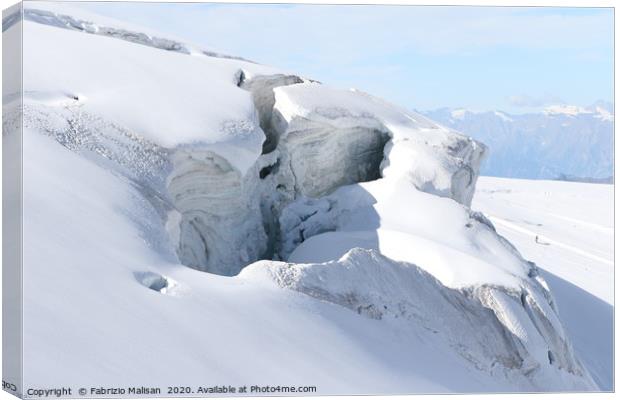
(46, 17)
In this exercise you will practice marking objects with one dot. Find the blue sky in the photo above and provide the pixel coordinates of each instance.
(513, 59)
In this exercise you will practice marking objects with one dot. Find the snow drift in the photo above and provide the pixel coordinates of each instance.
(217, 163)
(518, 334)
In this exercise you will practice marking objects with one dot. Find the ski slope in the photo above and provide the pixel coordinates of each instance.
(575, 250)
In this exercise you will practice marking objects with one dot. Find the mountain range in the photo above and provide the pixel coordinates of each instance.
(561, 142)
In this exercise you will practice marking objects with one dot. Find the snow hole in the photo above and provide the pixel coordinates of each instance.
(156, 282)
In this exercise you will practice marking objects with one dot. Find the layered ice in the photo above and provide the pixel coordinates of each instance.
(435, 159)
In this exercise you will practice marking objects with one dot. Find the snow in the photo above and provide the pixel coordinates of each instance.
(75, 17)
(371, 216)
(503, 116)
(249, 226)
(459, 113)
(565, 109)
(574, 224)
(179, 113)
(317, 139)
(56, 10)
(136, 333)
(604, 114)
(377, 287)
(254, 328)
(434, 158)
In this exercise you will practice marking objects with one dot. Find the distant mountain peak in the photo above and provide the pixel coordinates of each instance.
(560, 140)
(600, 110)
(503, 116)
(459, 113)
(566, 109)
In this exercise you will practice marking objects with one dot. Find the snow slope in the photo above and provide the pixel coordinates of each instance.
(574, 225)
(240, 223)
(233, 330)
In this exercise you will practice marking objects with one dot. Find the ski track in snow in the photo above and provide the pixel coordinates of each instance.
(547, 240)
(575, 220)
(604, 229)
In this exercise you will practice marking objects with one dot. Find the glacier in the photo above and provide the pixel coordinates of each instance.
(313, 219)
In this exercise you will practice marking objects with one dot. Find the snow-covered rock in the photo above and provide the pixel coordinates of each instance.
(176, 159)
